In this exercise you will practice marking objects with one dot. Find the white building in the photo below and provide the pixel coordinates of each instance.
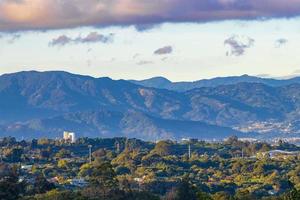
(69, 137)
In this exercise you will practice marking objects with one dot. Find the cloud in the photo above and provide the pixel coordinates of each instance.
(294, 74)
(92, 37)
(135, 56)
(296, 71)
(61, 40)
(238, 45)
(144, 62)
(280, 42)
(95, 37)
(11, 38)
(58, 14)
(164, 59)
(164, 50)
(264, 76)
(89, 63)
(145, 27)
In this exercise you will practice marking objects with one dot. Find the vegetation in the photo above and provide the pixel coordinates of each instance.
(133, 169)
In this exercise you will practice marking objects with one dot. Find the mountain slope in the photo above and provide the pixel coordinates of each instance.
(49, 102)
(163, 83)
(106, 123)
(28, 95)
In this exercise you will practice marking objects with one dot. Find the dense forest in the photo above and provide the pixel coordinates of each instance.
(121, 168)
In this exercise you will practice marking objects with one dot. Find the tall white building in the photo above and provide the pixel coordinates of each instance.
(69, 137)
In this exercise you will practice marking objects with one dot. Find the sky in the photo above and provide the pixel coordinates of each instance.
(181, 40)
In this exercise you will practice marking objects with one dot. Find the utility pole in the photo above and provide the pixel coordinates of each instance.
(242, 153)
(117, 145)
(189, 151)
(127, 145)
(90, 153)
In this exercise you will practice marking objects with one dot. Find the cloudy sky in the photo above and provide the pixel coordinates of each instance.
(137, 39)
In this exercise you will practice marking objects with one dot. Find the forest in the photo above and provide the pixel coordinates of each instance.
(121, 168)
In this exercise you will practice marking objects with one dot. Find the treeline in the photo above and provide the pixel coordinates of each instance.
(124, 168)
(103, 185)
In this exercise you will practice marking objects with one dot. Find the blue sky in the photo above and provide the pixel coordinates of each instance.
(184, 51)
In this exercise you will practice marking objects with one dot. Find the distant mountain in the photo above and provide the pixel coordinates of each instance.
(131, 124)
(163, 83)
(155, 82)
(39, 104)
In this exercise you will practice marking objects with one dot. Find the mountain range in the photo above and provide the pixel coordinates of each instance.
(163, 83)
(44, 104)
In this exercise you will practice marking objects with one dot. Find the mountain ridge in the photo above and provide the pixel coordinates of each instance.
(31, 100)
(213, 82)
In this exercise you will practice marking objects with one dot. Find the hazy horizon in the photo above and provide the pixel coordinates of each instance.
(160, 76)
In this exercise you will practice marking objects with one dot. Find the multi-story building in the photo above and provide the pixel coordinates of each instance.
(69, 137)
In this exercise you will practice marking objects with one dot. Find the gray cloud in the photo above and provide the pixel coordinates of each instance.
(145, 27)
(281, 42)
(238, 45)
(95, 37)
(61, 40)
(49, 14)
(164, 50)
(92, 37)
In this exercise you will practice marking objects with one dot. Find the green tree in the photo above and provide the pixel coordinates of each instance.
(59, 195)
(13, 155)
(102, 181)
(10, 187)
(85, 170)
(41, 185)
(63, 164)
(292, 195)
(103, 175)
(63, 153)
(185, 191)
(222, 196)
(244, 195)
(162, 148)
